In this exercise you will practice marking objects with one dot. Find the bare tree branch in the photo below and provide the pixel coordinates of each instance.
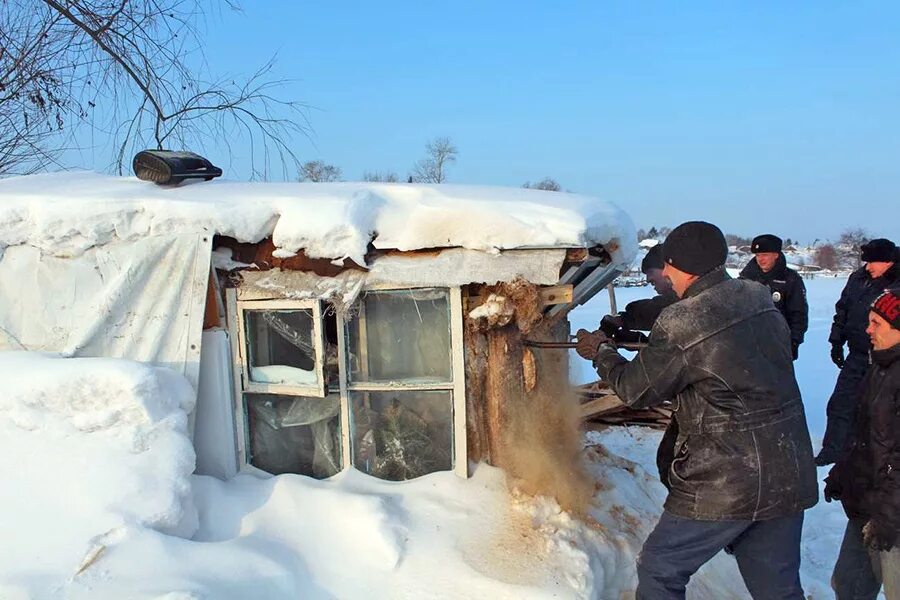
(127, 70)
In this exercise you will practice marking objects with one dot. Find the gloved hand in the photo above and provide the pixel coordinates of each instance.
(589, 343)
(878, 536)
(832, 488)
(795, 350)
(611, 324)
(837, 355)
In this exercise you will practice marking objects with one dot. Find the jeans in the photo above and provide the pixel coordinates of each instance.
(841, 409)
(767, 553)
(859, 571)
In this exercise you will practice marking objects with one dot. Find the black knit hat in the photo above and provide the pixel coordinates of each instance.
(653, 260)
(766, 243)
(879, 250)
(887, 306)
(695, 247)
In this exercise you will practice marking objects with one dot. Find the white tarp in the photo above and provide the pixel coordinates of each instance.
(142, 300)
(214, 432)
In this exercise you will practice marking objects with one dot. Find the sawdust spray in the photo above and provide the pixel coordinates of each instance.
(543, 442)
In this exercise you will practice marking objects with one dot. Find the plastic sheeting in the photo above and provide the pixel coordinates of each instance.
(214, 433)
(142, 300)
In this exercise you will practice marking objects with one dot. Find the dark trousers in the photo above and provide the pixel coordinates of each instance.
(767, 553)
(857, 573)
(841, 409)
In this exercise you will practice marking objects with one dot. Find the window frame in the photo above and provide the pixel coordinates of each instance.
(316, 391)
(457, 384)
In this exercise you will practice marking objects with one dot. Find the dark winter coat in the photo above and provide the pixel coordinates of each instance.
(867, 477)
(723, 353)
(851, 313)
(641, 314)
(788, 294)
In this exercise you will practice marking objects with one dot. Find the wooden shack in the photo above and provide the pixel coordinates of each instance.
(389, 328)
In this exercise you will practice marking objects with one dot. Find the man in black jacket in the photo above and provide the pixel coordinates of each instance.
(769, 268)
(882, 271)
(743, 472)
(866, 479)
(641, 315)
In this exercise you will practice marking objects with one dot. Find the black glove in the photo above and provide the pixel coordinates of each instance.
(795, 350)
(837, 355)
(611, 324)
(832, 488)
(878, 536)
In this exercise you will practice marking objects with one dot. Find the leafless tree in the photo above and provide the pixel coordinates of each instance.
(378, 176)
(851, 242)
(439, 153)
(317, 170)
(547, 183)
(130, 70)
(826, 257)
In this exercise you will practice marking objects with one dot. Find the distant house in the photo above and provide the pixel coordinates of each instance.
(374, 326)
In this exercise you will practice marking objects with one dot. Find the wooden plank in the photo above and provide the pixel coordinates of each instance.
(577, 254)
(343, 368)
(213, 315)
(457, 348)
(237, 367)
(556, 294)
(600, 405)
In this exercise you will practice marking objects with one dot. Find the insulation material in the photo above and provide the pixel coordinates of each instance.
(142, 300)
(341, 291)
(214, 435)
(458, 266)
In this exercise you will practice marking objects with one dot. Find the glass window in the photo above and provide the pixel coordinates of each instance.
(399, 435)
(401, 336)
(281, 347)
(294, 434)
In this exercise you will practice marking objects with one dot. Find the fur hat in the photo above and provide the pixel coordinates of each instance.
(695, 247)
(887, 306)
(766, 243)
(879, 250)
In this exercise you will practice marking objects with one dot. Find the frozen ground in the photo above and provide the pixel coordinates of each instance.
(98, 502)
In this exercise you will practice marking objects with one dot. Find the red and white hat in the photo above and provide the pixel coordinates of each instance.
(887, 306)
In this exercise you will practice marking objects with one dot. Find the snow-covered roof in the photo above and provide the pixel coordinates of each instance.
(66, 213)
(649, 243)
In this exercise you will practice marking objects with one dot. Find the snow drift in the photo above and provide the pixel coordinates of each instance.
(94, 448)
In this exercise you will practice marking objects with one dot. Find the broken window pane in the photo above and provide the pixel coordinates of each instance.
(294, 434)
(401, 336)
(400, 435)
(281, 347)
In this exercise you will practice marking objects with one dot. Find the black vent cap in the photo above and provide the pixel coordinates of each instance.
(168, 167)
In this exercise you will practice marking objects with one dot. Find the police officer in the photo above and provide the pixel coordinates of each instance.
(769, 268)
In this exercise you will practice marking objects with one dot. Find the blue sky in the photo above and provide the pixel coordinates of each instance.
(759, 116)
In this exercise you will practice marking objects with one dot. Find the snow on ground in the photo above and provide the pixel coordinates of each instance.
(66, 213)
(98, 502)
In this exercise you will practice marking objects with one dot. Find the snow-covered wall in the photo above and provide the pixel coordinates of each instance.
(67, 213)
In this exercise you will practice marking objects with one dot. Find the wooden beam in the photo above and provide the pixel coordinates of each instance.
(601, 405)
(556, 294)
